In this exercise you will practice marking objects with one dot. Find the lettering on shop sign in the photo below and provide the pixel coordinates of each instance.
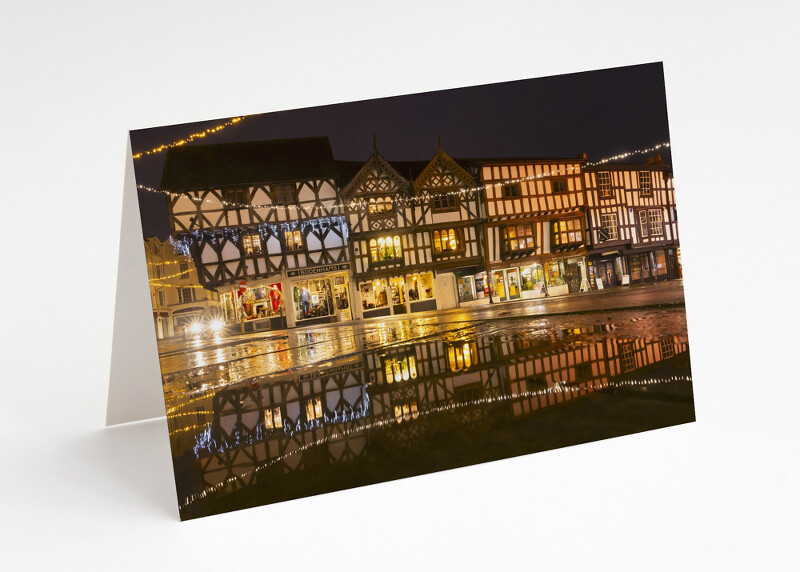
(318, 270)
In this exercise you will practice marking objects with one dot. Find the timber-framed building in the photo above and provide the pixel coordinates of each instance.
(265, 225)
(415, 242)
(632, 222)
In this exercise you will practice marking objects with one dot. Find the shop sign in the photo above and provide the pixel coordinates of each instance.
(318, 270)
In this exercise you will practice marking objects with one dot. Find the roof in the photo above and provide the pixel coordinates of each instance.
(214, 166)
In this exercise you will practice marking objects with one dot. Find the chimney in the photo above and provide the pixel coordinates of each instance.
(655, 160)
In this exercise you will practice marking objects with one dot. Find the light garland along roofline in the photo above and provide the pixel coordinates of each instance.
(189, 139)
(363, 204)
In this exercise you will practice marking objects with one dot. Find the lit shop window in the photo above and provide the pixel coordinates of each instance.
(314, 409)
(644, 184)
(385, 248)
(517, 238)
(567, 231)
(373, 295)
(293, 239)
(445, 240)
(420, 286)
(604, 184)
(381, 206)
(406, 412)
(251, 244)
(273, 418)
(401, 369)
(461, 356)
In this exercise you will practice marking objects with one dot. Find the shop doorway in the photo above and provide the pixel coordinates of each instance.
(446, 288)
(604, 270)
(572, 273)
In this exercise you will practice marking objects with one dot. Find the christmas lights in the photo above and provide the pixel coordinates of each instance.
(401, 202)
(189, 139)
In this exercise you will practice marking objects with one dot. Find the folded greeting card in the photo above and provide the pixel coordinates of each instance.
(367, 291)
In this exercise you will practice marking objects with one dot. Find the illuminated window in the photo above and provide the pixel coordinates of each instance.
(461, 356)
(251, 243)
(644, 183)
(559, 185)
(273, 418)
(314, 409)
(517, 238)
(604, 184)
(406, 412)
(381, 206)
(448, 240)
(567, 231)
(385, 248)
(294, 240)
(400, 369)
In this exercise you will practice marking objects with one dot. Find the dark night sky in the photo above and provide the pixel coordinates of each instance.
(600, 113)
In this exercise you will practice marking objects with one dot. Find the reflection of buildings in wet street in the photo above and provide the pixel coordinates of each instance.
(178, 298)
(400, 396)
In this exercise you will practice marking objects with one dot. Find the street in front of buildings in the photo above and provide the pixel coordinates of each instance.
(259, 418)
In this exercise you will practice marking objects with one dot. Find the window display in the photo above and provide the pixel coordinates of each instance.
(313, 298)
(373, 295)
(420, 286)
(466, 290)
(554, 273)
(531, 276)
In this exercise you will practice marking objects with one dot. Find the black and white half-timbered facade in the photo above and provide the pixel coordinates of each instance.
(632, 223)
(266, 227)
(412, 243)
(535, 234)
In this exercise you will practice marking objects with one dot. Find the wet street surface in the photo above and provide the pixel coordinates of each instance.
(256, 419)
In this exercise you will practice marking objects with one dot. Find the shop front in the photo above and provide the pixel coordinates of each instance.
(319, 295)
(259, 307)
(473, 287)
(565, 275)
(523, 281)
(397, 295)
(655, 265)
(608, 270)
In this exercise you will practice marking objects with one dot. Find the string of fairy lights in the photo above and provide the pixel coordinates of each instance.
(363, 203)
(567, 392)
(189, 138)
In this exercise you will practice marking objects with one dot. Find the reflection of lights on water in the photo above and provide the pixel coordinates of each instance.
(204, 440)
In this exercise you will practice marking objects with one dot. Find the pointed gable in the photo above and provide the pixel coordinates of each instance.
(376, 178)
(443, 173)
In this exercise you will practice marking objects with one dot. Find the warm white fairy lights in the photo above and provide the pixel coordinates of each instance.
(363, 204)
(189, 139)
(559, 389)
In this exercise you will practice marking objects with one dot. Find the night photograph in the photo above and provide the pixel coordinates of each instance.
(368, 291)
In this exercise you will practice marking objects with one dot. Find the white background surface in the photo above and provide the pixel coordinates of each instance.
(718, 494)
